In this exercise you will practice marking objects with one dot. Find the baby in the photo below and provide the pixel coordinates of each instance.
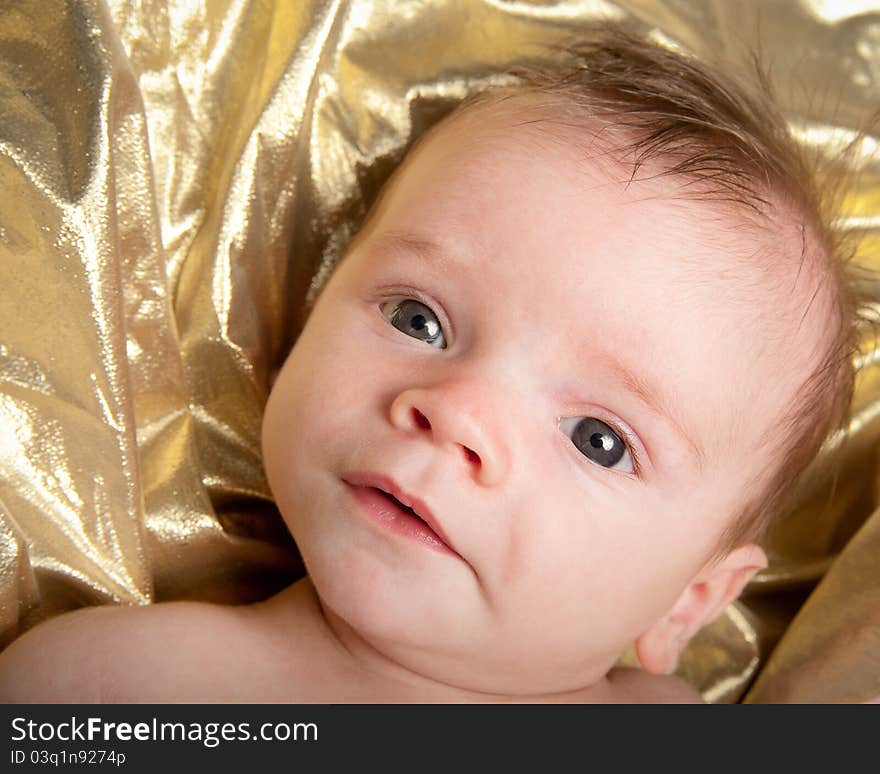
(588, 337)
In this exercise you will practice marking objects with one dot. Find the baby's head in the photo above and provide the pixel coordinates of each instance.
(591, 332)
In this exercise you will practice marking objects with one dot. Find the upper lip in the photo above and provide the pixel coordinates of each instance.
(390, 486)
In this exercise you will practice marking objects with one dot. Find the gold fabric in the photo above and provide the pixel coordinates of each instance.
(176, 176)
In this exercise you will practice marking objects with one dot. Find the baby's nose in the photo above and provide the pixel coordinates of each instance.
(455, 422)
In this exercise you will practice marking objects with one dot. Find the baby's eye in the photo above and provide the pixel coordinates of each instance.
(415, 319)
(597, 441)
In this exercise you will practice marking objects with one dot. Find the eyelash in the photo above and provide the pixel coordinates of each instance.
(404, 292)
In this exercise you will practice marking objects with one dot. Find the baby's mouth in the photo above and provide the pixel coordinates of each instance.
(405, 508)
(406, 512)
(385, 501)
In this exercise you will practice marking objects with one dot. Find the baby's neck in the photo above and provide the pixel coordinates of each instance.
(356, 671)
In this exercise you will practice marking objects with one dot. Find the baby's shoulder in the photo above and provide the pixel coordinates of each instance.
(118, 653)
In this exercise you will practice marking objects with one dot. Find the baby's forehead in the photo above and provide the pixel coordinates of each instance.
(753, 247)
(762, 242)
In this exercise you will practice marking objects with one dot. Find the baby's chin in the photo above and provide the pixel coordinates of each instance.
(471, 667)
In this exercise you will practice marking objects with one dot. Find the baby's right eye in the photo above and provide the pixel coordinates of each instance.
(415, 319)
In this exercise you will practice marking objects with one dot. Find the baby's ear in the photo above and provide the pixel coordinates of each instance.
(704, 599)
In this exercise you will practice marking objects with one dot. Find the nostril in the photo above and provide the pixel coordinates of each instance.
(471, 455)
(421, 420)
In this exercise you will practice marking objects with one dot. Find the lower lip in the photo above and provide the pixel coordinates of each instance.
(382, 510)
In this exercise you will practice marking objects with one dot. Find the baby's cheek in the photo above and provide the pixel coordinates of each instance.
(312, 403)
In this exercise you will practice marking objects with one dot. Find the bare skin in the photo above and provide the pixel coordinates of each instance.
(282, 650)
(547, 558)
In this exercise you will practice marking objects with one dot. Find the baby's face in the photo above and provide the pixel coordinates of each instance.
(532, 352)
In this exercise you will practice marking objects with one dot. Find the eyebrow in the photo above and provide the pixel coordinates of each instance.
(654, 399)
(404, 241)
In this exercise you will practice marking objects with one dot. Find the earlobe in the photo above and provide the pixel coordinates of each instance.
(659, 647)
(701, 602)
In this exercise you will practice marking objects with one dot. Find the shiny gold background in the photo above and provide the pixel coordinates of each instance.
(175, 176)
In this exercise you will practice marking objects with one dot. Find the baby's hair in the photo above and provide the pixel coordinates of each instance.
(723, 137)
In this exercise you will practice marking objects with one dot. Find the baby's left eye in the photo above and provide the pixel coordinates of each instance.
(415, 319)
(598, 442)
